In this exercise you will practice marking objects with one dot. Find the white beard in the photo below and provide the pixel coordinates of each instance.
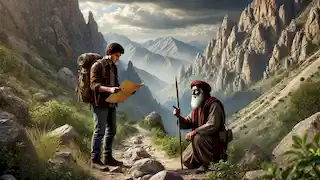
(196, 100)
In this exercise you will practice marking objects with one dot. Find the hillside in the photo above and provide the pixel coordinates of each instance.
(168, 46)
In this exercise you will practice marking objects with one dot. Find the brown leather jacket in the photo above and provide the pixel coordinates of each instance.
(103, 72)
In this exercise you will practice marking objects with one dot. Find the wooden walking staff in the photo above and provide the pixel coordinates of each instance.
(179, 123)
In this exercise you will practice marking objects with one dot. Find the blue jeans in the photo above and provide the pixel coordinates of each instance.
(104, 128)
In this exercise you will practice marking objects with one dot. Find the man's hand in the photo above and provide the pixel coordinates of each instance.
(190, 135)
(109, 89)
(176, 111)
(114, 89)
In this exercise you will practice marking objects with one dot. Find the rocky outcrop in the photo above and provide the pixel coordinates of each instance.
(16, 146)
(265, 40)
(58, 26)
(11, 103)
(310, 126)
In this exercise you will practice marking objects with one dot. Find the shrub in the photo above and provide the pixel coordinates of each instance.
(169, 144)
(54, 113)
(124, 131)
(225, 171)
(9, 64)
(304, 164)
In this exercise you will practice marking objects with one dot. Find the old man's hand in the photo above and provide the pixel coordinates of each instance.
(190, 135)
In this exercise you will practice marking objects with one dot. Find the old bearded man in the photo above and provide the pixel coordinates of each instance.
(206, 120)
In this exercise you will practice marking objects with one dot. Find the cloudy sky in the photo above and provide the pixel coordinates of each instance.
(141, 20)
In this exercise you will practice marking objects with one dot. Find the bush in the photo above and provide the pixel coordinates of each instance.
(124, 131)
(54, 113)
(225, 171)
(9, 63)
(169, 144)
(304, 164)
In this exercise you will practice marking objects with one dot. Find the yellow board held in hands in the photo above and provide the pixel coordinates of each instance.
(127, 88)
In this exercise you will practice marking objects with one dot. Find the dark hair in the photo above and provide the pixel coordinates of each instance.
(114, 48)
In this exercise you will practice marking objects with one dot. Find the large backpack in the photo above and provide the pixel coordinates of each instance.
(83, 90)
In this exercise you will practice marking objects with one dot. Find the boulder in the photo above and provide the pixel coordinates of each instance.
(66, 133)
(8, 177)
(146, 166)
(165, 175)
(15, 141)
(310, 126)
(253, 157)
(154, 120)
(146, 177)
(11, 103)
(67, 76)
(254, 175)
(43, 95)
(136, 154)
(61, 159)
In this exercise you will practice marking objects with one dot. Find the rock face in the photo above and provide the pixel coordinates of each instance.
(310, 126)
(265, 40)
(58, 26)
(13, 104)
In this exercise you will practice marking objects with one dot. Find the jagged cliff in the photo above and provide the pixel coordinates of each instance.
(270, 35)
(56, 25)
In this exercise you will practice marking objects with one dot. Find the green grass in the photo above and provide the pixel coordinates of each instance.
(56, 114)
(169, 144)
(44, 144)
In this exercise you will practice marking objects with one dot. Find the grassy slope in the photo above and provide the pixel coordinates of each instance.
(27, 76)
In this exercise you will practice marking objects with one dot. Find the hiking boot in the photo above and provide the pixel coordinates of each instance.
(110, 161)
(202, 169)
(98, 164)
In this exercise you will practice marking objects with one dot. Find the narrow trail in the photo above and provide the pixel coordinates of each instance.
(143, 140)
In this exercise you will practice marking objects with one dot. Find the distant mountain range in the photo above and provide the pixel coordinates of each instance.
(161, 57)
(168, 46)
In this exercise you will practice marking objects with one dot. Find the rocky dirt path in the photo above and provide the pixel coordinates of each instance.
(140, 146)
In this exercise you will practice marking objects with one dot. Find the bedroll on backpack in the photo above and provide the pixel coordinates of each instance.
(83, 91)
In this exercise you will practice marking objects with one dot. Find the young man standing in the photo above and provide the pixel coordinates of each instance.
(103, 82)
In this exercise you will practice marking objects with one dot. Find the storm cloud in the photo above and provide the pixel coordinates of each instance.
(188, 5)
(186, 19)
